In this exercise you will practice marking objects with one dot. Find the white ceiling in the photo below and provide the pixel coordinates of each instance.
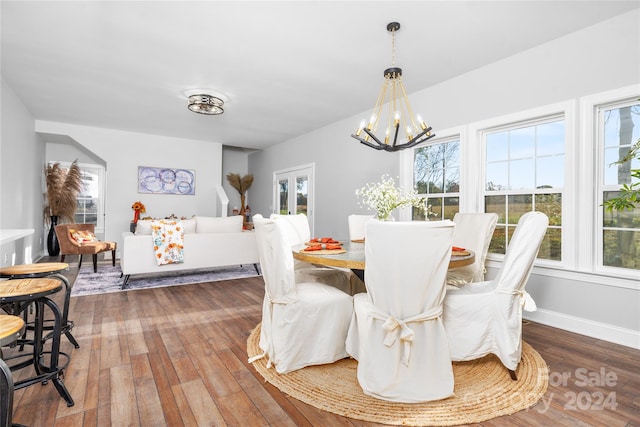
(287, 67)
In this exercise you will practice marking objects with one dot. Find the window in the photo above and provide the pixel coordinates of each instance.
(89, 203)
(618, 129)
(436, 176)
(89, 197)
(293, 192)
(524, 171)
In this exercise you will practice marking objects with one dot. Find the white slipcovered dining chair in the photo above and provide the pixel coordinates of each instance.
(487, 317)
(298, 233)
(396, 333)
(302, 323)
(356, 226)
(473, 232)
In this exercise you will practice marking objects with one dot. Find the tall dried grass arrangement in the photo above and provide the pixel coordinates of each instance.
(63, 186)
(241, 184)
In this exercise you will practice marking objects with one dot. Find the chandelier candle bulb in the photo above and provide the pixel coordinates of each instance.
(423, 125)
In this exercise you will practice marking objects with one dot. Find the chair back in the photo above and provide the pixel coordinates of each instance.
(276, 259)
(401, 344)
(296, 227)
(356, 226)
(67, 244)
(406, 265)
(522, 252)
(473, 232)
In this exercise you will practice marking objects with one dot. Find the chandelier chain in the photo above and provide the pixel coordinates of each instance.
(393, 48)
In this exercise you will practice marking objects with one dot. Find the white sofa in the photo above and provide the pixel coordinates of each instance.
(208, 242)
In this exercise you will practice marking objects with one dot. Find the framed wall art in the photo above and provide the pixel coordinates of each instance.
(153, 180)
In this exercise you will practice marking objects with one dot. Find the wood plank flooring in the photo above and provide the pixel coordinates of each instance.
(177, 357)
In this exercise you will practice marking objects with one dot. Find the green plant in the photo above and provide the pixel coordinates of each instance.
(629, 197)
(63, 186)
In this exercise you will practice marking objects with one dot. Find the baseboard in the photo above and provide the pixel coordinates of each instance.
(602, 331)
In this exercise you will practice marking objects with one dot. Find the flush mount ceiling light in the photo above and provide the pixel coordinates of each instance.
(205, 104)
(404, 129)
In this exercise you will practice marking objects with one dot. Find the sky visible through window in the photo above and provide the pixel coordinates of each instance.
(526, 158)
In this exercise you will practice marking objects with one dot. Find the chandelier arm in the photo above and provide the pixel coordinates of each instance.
(395, 136)
(374, 137)
(418, 136)
(367, 143)
(415, 141)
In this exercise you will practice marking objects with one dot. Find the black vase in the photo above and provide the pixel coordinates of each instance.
(52, 240)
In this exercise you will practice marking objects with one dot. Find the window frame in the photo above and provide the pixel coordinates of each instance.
(565, 110)
(101, 173)
(406, 165)
(532, 191)
(591, 254)
(579, 209)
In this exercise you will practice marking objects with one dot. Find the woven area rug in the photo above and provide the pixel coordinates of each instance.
(108, 279)
(483, 390)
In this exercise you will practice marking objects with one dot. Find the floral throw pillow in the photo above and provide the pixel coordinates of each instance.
(81, 236)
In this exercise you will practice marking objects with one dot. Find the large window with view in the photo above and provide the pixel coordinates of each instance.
(524, 171)
(618, 132)
(436, 177)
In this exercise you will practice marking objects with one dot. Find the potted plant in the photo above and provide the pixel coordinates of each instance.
(241, 184)
(384, 197)
(61, 198)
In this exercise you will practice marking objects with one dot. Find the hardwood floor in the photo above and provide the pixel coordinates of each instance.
(177, 357)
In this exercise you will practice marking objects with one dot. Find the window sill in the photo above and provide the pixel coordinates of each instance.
(629, 280)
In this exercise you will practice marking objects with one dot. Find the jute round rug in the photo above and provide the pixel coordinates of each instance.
(483, 390)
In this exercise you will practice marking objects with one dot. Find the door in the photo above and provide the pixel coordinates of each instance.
(293, 192)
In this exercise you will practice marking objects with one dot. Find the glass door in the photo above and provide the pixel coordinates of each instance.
(293, 192)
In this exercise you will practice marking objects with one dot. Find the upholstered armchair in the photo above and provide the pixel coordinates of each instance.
(79, 239)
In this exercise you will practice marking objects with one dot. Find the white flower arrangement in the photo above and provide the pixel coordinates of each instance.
(383, 197)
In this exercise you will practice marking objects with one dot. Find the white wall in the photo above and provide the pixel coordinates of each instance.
(602, 57)
(342, 166)
(123, 152)
(21, 165)
(234, 160)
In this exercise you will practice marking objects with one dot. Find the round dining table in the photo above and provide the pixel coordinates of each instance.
(353, 257)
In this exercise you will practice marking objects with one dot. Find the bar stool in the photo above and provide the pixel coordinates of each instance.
(11, 328)
(20, 294)
(46, 269)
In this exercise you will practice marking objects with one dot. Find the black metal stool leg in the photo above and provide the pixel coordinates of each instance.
(6, 395)
(67, 325)
(55, 348)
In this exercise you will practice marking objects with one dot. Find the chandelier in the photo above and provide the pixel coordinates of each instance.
(404, 129)
(205, 104)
